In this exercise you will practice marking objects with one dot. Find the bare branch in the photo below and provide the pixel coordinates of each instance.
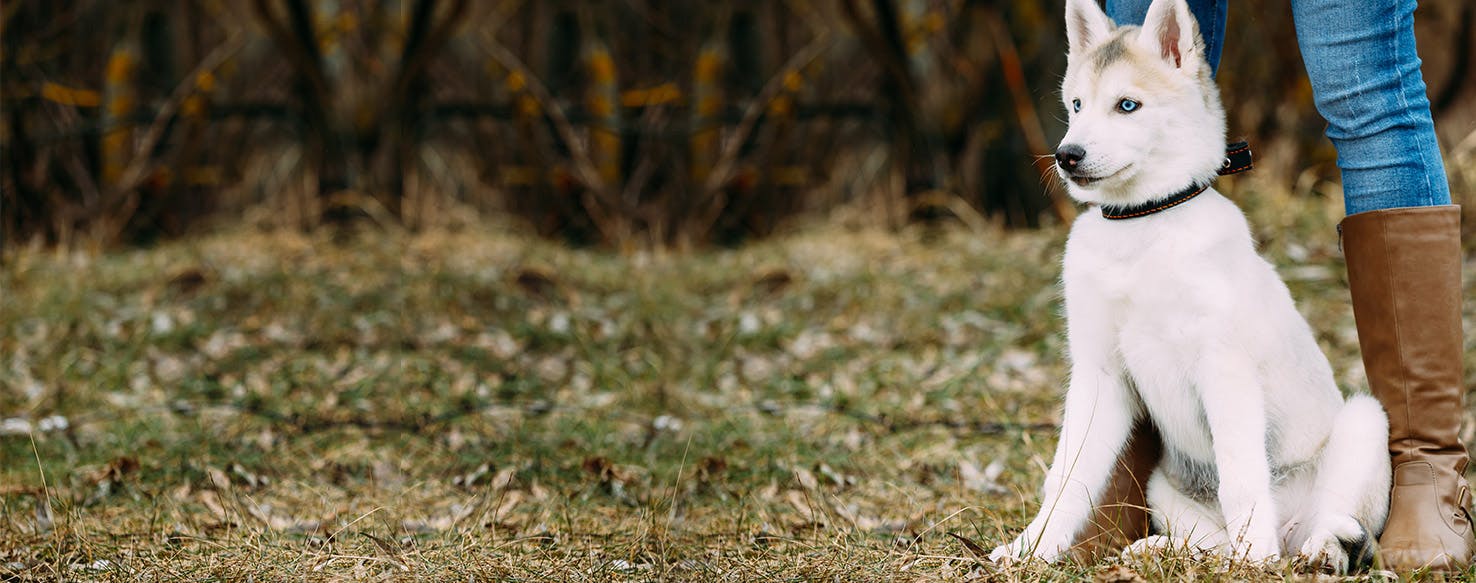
(578, 152)
(733, 146)
(134, 174)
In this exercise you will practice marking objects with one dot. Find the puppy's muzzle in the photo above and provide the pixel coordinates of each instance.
(1069, 156)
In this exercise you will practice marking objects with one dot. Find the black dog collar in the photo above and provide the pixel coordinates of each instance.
(1237, 160)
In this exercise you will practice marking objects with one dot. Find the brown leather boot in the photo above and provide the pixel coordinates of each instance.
(1121, 516)
(1404, 269)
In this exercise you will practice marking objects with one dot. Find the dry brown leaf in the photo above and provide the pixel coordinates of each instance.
(218, 478)
(189, 280)
(503, 512)
(440, 522)
(389, 550)
(711, 468)
(835, 477)
(1118, 574)
(537, 491)
(985, 480)
(44, 521)
(212, 503)
(806, 479)
(17, 490)
(769, 492)
(543, 283)
(974, 548)
(503, 478)
(809, 516)
(387, 474)
(771, 282)
(469, 479)
(268, 515)
(251, 479)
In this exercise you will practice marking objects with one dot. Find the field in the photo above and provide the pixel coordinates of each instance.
(831, 404)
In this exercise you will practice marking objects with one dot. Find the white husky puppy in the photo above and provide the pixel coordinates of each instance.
(1171, 314)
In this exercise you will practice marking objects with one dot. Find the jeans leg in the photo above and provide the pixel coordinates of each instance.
(1366, 81)
(1209, 13)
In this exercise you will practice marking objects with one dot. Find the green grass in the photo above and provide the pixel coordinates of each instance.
(486, 406)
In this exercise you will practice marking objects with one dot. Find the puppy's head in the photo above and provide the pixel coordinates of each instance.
(1145, 115)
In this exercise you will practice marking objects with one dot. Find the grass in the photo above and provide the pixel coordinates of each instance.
(828, 405)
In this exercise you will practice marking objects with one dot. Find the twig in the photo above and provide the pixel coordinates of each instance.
(734, 144)
(584, 167)
(133, 174)
(722, 172)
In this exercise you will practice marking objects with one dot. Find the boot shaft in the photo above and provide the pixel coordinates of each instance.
(1404, 269)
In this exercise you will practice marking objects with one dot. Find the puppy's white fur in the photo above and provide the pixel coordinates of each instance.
(1175, 316)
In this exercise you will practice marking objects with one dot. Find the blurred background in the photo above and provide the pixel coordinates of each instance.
(624, 124)
(556, 290)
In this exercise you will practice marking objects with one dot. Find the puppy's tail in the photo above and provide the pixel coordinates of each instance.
(1361, 549)
(1353, 476)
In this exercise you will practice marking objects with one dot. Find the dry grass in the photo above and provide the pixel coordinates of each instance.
(824, 406)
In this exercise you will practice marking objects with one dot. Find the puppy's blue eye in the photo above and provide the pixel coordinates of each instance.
(1128, 106)
(1075, 105)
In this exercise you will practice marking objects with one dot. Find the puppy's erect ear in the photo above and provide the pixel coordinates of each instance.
(1086, 25)
(1170, 31)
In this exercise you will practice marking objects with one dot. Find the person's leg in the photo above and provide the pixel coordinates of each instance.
(1367, 84)
(1120, 517)
(1402, 244)
(1209, 13)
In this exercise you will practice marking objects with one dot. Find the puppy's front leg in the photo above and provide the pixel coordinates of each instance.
(1234, 407)
(1100, 411)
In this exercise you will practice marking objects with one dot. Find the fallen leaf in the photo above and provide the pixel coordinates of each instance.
(771, 282)
(973, 547)
(808, 517)
(388, 549)
(218, 478)
(469, 479)
(251, 479)
(387, 474)
(806, 479)
(1118, 574)
(44, 522)
(835, 477)
(711, 468)
(539, 282)
(188, 281)
(986, 480)
(505, 507)
(212, 503)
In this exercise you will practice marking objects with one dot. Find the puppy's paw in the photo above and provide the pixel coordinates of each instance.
(1264, 549)
(1338, 544)
(1149, 545)
(1325, 550)
(1025, 548)
(1005, 554)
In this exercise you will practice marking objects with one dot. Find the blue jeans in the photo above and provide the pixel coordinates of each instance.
(1209, 13)
(1366, 81)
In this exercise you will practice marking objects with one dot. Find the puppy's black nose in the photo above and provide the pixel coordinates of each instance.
(1069, 155)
